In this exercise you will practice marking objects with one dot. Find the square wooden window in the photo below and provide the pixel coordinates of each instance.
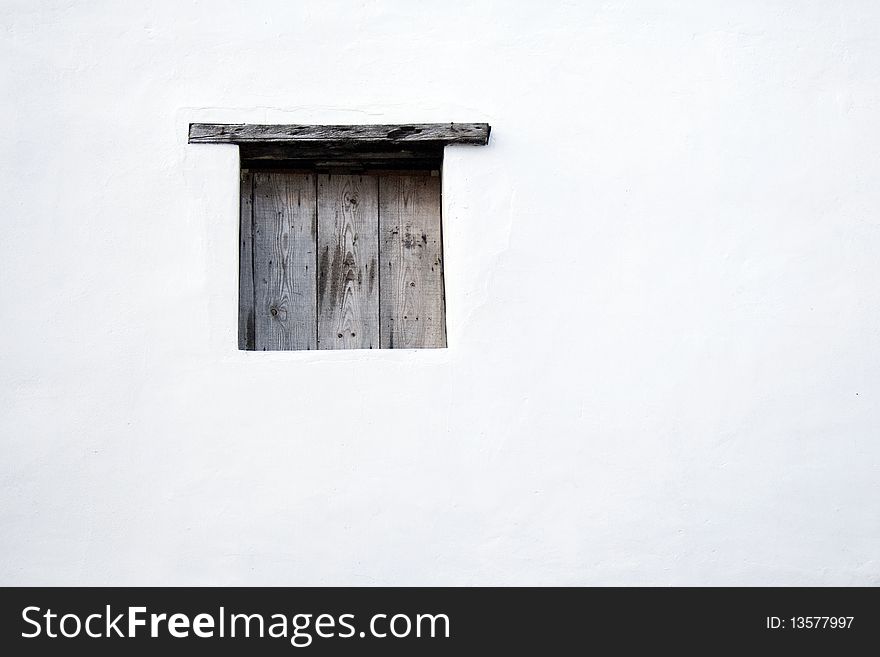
(341, 242)
(340, 261)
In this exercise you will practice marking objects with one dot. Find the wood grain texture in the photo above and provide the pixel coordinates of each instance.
(447, 133)
(348, 255)
(411, 281)
(285, 232)
(246, 265)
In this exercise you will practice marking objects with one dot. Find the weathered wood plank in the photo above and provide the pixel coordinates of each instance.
(411, 281)
(348, 253)
(332, 150)
(447, 133)
(246, 264)
(285, 232)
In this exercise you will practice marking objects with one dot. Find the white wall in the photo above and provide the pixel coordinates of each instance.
(662, 292)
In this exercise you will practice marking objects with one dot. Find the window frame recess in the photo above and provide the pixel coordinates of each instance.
(340, 240)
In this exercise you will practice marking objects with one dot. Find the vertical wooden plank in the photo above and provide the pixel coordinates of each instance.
(348, 251)
(246, 265)
(411, 283)
(285, 225)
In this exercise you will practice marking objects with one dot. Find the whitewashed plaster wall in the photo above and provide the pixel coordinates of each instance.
(663, 293)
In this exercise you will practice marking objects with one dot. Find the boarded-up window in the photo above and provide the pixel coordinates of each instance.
(341, 261)
(340, 233)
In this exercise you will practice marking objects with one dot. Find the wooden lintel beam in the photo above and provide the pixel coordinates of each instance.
(244, 133)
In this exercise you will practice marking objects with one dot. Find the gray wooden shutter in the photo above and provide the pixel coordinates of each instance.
(336, 261)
